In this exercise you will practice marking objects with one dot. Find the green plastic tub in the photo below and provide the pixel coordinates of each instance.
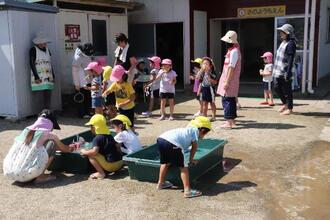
(73, 162)
(144, 165)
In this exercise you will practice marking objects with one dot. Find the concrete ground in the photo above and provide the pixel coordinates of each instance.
(278, 168)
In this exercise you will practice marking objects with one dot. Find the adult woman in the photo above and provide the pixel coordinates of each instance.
(34, 150)
(42, 74)
(284, 68)
(229, 81)
(124, 56)
(81, 59)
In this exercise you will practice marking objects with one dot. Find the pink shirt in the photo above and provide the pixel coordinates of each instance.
(233, 88)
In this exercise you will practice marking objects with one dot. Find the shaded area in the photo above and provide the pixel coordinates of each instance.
(260, 125)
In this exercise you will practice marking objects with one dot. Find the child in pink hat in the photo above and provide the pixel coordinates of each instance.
(267, 78)
(124, 92)
(153, 86)
(94, 71)
(167, 78)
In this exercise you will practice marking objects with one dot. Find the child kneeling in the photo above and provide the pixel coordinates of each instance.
(104, 155)
(173, 143)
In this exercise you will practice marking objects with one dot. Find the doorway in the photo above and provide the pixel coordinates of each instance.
(159, 39)
(255, 36)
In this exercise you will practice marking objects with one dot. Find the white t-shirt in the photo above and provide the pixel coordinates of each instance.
(130, 140)
(268, 68)
(233, 58)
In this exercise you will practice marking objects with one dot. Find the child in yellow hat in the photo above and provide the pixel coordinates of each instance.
(104, 155)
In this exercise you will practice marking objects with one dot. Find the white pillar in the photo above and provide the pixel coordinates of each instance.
(303, 80)
(311, 49)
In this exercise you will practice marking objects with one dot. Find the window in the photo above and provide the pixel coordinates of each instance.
(328, 27)
(99, 34)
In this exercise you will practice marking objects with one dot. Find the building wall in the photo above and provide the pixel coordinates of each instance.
(115, 23)
(324, 46)
(228, 8)
(7, 83)
(166, 11)
(21, 28)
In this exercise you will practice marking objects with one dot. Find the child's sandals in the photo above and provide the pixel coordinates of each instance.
(96, 176)
(192, 193)
(165, 185)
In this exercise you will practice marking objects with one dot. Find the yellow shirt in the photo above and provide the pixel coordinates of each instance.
(123, 92)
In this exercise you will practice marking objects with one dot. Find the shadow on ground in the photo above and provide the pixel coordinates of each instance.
(259, 125)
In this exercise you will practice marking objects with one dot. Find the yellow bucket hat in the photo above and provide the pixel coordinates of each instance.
(201, 122)
(100, 124)
(124, 120)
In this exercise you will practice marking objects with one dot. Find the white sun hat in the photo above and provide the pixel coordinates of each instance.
(230, 37)
(286, 28)
(41, 38)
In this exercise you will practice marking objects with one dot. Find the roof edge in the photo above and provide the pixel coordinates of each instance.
(11, 4)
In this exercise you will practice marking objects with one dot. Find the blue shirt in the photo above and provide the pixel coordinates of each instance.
(181, 137)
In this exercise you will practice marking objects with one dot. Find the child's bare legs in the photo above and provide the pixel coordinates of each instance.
(151, 104)
(185, 178)
(99, 110)
(214, 109)
(200, 107)
(162, 109)
(205, 108)
(162, 173)
(270, 95)
(112, 111)
(266, 95)
(171, 102)
(100, 172)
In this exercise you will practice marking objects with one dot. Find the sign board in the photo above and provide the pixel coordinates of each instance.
(259, 12)
(72, 36)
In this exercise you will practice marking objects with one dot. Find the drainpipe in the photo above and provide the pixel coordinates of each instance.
(311, 49)
(303, 80)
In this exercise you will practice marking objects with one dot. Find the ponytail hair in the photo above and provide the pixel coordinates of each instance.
(125, 77)
(29, 137)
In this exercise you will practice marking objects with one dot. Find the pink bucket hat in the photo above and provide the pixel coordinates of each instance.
(268, 56)
(156, 60)
(95, 66)
(167, 62)
(117, 73)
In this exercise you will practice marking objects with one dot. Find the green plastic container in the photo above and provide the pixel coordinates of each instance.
(144, 165)
(73, 162)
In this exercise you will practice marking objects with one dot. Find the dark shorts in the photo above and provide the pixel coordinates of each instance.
(97, 102)
(110, 99)
(268, 86)
(129, 113)
(208, 94)
(169, 153)
(167, 95)
(154, 93)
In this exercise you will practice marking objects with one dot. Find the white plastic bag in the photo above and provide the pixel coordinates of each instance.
(25, 162)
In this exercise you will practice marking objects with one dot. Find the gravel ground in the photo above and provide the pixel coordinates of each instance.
(280, 170)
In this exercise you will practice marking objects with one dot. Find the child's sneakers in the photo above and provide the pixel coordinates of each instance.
(165, 185)
(161, 118)
(146, 114)
(197, 114)
(171, 118)
(191, 193)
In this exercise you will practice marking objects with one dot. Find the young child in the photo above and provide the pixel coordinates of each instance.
(172, 146)
(267, 78)
(196, 64)
(110, 99)
(154, 84)
(124, 92)
(167, 87)
(207, 78)
(104, 155)
(94, 71)
(130, 143)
